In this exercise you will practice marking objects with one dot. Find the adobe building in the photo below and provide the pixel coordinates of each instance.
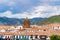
(29, 32)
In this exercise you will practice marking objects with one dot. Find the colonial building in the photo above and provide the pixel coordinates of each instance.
(29, 32)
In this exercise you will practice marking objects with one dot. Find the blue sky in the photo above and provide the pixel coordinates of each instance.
(29, 8)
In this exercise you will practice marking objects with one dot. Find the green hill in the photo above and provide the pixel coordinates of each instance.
(52, 19)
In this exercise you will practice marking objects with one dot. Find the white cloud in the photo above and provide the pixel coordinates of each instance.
(39, 11)
(8, 2)
(12, 3)
(18, 15)
(47, 11)
(50, 2)
(4, 1)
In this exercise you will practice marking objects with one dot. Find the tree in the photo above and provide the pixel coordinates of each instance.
(59, 37)
(54, 37)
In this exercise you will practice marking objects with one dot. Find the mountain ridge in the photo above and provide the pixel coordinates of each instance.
(16, 22)
(53, 19)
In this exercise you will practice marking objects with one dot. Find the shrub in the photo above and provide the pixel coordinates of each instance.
(54, 37)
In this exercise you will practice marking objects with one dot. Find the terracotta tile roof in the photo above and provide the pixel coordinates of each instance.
(6, 33)
(34, 30)
(5, 27)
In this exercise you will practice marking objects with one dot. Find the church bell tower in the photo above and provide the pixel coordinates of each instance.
(26, 23)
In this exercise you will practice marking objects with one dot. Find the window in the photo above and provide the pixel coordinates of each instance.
(39, 30)
(31, 36)
(44, 30)
(36, 36)
(59, 27)
(3, 30)
(29, 30)
(12, 30)
(56, 27)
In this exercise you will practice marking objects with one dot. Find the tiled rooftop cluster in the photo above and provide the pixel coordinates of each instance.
(30, 30)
